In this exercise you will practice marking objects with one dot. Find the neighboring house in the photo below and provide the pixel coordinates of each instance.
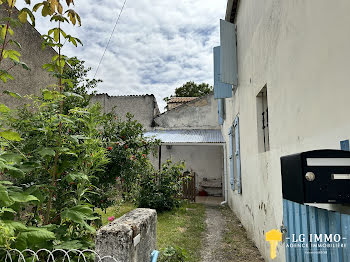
(191, 133)
(144, 108)
(174, 102)
(27, 81)
(282, 84)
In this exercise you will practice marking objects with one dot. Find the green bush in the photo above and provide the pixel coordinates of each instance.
(173, 254)
(161, 189)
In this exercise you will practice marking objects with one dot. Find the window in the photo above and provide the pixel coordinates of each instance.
(235, 157)
(263, 120)
(221, 110)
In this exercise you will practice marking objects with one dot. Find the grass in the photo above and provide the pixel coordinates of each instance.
(182, 227)
(235, 244)
(116, 211)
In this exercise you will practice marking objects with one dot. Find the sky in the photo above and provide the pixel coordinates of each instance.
(157, 46)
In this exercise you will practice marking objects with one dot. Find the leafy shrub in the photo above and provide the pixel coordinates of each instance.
(173, 254)
(128, 151)
(161, 189)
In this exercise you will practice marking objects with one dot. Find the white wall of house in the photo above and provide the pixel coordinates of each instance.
(300, 50)
(205, 160)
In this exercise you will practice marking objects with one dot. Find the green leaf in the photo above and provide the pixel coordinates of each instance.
(3, 32)
(47, 152)
(69, 245)
(22, 16)
(12, 157)
(7, 209)
(36, 235)
(79, 214)
(10, 135)
(4, 109)
(22, 197)
(47, 95)
(4, 196)
(13, 94)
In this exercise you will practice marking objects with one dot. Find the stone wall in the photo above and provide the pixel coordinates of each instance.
(27, 81)
(131, 238)
(201, 113)
(143, 107)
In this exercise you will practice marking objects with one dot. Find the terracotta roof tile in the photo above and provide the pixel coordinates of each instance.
(181, 99)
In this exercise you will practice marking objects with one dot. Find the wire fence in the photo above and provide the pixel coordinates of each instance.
(56, 255)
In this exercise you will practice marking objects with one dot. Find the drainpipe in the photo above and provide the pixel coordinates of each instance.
(225, 176)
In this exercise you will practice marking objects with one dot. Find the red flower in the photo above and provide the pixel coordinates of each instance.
(144, 155)
(101, 201)
(109, 148)
(117, 178)
(126, 146)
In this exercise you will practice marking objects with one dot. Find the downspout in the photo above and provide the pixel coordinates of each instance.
(225, 176)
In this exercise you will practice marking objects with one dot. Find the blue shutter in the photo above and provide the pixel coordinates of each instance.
(238, 155)
(220, 112)
(228, 43)
(232, 181)
(344, 145)
(221, 90)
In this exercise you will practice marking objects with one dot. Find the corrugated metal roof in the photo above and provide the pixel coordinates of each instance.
(181, 99)
(187, 136)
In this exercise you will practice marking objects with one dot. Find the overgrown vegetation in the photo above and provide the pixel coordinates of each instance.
(62, 159)
(179, 231)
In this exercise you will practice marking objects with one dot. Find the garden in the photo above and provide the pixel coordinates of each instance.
(65, 165)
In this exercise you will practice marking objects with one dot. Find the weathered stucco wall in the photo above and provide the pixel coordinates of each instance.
(144, 108)
(304, 60)
(27, 81)
(200, 113)
(205, 160)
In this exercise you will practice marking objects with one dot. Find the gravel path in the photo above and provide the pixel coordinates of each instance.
(215, 228)
(226, 240)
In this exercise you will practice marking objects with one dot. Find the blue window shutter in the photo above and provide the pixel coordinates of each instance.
(344, 145)
(220, 112)
(232, 180)
(238, 155)
(221, 90)
(228, 43)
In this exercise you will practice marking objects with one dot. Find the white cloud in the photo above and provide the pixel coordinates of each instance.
(158, 45)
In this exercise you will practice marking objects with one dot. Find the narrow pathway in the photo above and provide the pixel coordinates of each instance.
(226, 240)
(215, 230)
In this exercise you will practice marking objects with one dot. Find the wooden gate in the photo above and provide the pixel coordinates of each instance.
(333, 227)
(189, 186)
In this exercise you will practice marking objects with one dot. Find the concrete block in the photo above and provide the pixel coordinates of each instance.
(131, 238)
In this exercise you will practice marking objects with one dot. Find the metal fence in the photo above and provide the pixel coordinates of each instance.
(56, 255)
(59, 255)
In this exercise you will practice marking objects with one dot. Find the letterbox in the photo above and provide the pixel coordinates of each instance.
(320, 176)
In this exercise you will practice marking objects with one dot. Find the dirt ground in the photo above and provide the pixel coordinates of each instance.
(226, 239)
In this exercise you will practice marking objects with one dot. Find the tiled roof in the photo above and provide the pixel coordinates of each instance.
(187, 136)
(181, 99)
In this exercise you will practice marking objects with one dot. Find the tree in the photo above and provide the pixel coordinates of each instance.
(80, 84)
(191, 89)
